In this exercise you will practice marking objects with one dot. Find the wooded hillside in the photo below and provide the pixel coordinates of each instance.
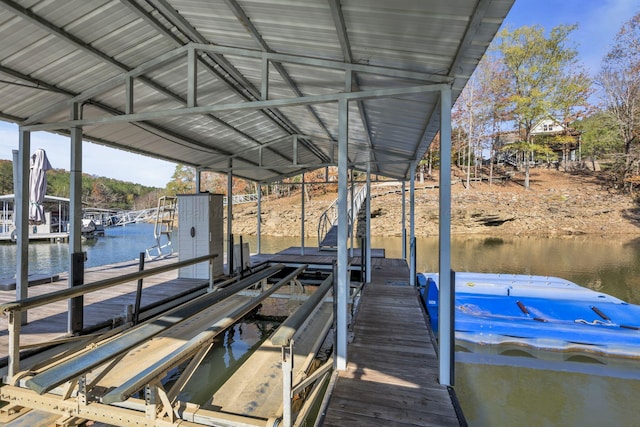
(97, 191)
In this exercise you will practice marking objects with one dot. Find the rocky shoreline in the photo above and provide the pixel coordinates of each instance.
(557, 204)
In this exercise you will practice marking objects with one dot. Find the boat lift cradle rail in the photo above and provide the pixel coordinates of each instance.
(14, 309)
(285, 338)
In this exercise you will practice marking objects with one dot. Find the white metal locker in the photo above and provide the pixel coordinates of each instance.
(200, 225)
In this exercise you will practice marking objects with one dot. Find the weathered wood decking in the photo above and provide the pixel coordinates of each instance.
(50, 321)
(391, 377)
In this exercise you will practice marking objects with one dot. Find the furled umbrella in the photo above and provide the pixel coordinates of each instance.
(38, 186)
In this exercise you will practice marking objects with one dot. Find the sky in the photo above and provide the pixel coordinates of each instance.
(598, 22)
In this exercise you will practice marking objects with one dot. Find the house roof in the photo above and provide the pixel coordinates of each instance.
(251, 84)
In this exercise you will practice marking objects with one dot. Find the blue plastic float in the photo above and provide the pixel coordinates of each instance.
(499, 313)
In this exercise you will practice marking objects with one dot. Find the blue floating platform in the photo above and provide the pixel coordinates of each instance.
(502, 313)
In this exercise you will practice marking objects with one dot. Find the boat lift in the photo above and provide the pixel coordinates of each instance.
(99, 377)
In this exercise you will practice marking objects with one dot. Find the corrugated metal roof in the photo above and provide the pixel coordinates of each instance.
(54, 50)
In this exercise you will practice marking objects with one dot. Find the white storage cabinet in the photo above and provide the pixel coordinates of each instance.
(200, 225)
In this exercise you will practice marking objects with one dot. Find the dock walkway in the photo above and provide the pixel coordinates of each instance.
(392, 374)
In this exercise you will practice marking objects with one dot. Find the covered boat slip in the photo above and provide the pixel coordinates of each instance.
(107, 369)
(261, 90)
(99, 377)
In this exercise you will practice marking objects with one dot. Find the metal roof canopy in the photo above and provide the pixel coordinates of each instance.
(202, 82)
(262, 89)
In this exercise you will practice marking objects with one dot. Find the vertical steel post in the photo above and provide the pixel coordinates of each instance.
(264, 81)
(198, 180)
(404, 222)
(368, 225)
(287, 381)
(259, 224)
(343, 224)
(352, 213)
(445, 309)
(136, 309)
(229, 219)
(76, 267)
(22, 219)
(192, 80)
(14, 345)
(412, 225)
(302, 220)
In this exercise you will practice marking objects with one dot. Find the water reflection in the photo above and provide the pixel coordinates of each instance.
(227, 354)
(610, 265)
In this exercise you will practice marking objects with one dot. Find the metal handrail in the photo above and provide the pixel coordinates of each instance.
(39, 300)
(329, 217)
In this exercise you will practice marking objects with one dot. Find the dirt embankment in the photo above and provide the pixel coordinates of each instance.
(557, 203)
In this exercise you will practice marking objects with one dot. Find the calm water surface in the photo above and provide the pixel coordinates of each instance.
(501, 392)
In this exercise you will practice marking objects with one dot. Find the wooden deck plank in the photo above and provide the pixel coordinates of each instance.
(255, 389)
(50, 321)
(392, 375)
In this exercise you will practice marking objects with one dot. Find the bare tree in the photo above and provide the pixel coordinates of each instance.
(620, 83)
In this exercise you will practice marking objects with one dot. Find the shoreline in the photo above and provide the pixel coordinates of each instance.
(558, 204)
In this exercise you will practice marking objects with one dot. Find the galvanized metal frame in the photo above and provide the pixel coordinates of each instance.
(445, 307)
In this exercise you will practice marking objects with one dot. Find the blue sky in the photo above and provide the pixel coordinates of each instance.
(598, 22)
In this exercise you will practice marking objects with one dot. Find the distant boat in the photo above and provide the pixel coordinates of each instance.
(536, 316)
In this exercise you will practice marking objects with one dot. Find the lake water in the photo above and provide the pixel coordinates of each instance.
(495, 391)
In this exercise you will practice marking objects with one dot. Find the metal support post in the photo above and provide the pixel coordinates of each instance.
(258, 226)
(21, 219)
(302, 221)
(352, 216)
(14, 345)
(229, 219)
(83, 397)
(150, 402)
(412, 225)
(136, 312)
(287, 382)
(445, 308)
(343, 223)
(368, 226)
(404, 222)
(76, 256)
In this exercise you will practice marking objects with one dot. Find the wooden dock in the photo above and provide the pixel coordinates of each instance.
(50, 321)
(392, 374)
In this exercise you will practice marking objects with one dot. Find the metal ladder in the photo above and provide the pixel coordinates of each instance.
(163, 227)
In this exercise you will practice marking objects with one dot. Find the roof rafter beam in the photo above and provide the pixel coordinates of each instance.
(146, 126)
(257, 37)
(70, 38)
(326, 63)
(49, 27)
(243, 106)
(234, 79)
(343, 37)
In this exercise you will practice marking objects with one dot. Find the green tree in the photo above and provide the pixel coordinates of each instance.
(599, 136)
(544, 78)
(183, 181)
